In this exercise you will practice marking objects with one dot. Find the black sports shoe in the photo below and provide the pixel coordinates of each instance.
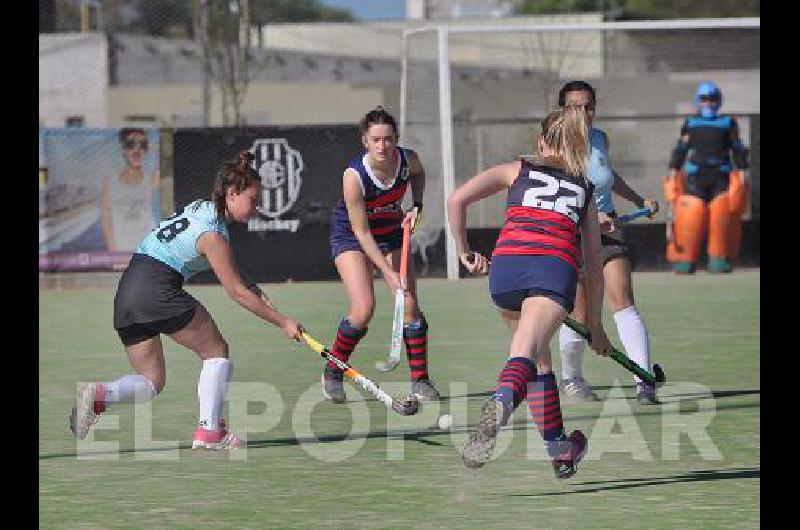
(424, 390)
(568, 452)
(479, 446)
(332, 385)
(646, 394)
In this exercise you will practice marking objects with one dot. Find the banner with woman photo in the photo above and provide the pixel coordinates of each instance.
(98, 196)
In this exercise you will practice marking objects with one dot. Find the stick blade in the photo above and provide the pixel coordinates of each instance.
(407, 407)
(387, 366)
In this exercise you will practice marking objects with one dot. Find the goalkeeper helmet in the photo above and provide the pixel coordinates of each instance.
(708, 92)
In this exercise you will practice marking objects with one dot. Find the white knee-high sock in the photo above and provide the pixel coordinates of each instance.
(633, 334)
(129, 389)
(212, 385)
(571, 346)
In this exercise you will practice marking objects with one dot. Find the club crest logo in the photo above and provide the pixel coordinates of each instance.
(279, 167)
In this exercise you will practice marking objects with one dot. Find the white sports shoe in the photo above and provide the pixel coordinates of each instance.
(83, 415)
(578, 389)
(218, 440)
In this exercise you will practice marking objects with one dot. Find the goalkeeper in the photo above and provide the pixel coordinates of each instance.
(706, 187)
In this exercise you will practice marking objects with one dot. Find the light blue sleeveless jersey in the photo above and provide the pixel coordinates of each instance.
(174, 240)
(599, 169)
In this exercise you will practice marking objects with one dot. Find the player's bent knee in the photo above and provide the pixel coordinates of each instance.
(619, 302)
(361, 317)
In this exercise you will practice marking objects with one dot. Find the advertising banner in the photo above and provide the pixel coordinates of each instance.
(301, 171)
(98, 196)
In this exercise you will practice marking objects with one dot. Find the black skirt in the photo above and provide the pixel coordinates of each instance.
(150, 291)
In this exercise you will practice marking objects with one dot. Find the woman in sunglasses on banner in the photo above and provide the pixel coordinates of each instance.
(129, 202)
(533, 277)
(366, 233)
(151, 301)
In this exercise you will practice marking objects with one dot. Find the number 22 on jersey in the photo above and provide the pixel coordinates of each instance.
(554, 194)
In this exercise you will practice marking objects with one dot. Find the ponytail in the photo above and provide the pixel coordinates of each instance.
(565, 131)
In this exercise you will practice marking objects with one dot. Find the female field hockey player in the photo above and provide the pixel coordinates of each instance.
(366, 233)
(150, 300)
(533, 276)
(616, 264)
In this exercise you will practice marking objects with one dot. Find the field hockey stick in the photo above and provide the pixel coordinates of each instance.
(628, 217)
(657, 378)
(399, 308)
(407, 407)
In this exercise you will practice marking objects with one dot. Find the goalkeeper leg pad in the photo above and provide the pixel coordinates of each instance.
(689, 227)
(718, 226)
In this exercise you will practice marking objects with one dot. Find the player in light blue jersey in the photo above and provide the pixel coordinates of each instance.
(616, 262)
(150, 300)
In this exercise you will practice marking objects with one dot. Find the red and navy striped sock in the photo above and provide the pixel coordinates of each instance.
(545, 407)
(347, 338)
(512, 383)
(415, 336)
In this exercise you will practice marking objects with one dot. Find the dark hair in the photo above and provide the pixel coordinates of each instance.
(125, 131)
(575, 86)
(378, 115)
(236, 173)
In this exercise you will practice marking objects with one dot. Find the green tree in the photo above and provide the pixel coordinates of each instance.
(272, 11)
(646, 9)
(656, 9)
(548, 7)
(164, 18)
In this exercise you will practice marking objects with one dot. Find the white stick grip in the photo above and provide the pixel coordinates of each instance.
(397, 325)
(374, 390)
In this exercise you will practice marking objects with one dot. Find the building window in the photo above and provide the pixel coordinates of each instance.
(75, 121)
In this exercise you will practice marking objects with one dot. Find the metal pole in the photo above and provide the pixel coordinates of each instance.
(84, 16)
(403, 83)
(446, 125)
(201, 40)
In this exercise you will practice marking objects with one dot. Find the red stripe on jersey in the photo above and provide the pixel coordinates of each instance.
(534, 231)
(523, 251)
(383, 230)
(392, 196)
(538, 214)
(519, 233)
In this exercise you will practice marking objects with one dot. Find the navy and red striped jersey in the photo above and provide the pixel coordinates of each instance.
(383, 203)
(544, 210)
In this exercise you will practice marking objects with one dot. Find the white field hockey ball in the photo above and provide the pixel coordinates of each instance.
(446, 422)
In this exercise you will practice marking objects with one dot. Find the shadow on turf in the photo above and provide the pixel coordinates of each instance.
(718, 394)
(414, 436)
(621, 484)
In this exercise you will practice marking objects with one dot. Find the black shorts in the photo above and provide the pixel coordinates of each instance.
(150, 300)
(613, 245)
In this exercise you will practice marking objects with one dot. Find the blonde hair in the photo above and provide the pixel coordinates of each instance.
(566, 131)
